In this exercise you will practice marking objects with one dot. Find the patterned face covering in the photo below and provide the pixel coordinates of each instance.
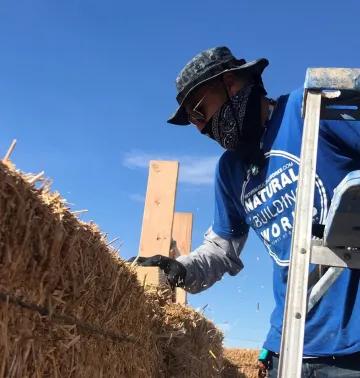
(237, 124)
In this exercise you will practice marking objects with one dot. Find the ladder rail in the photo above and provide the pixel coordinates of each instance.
(292, 342)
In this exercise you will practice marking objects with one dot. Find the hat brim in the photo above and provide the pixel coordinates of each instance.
(256, 67)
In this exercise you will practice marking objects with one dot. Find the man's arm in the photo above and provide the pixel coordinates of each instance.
(208, 263)
(224, 241)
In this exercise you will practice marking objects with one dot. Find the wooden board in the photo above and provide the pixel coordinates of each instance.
(182, 234)
(182, 231)
(159, 211)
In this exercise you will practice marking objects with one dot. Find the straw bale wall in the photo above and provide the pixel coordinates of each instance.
(69, 307)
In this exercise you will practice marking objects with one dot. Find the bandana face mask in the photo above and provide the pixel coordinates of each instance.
(237, 124)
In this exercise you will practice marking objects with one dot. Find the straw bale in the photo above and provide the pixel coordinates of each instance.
(240, 363)
(192, 344)
(48, 258)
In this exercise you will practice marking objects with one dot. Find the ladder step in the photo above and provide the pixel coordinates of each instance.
(333, 79)
(340, 89)
(341, 258)
(341, 241)
(342, 228)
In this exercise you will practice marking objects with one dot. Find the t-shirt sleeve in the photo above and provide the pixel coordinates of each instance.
(228, 221)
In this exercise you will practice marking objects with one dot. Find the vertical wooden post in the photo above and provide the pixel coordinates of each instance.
(182, 234)
(158, 214)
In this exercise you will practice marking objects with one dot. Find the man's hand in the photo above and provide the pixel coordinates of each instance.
(173, 269)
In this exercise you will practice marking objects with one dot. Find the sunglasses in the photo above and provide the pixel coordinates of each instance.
(195, 116)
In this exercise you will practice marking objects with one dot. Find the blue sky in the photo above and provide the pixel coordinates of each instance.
(86, 88)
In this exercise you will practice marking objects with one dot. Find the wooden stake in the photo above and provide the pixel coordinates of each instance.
(182, 234)
(182, 231)
(158, 213)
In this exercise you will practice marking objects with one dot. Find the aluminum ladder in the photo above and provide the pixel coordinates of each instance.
(326, 92)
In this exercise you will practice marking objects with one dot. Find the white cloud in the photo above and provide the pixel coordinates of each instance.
(137, 197)
(195, 170)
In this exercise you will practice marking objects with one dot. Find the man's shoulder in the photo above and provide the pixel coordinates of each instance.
(288, 110)
(227, 157)
(228, 161)
(293, 98)
(229, 171)
(296, 97)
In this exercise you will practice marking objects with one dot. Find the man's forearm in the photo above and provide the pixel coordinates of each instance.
(208, 263)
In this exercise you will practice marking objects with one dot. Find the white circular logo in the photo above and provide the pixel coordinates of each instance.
(269, 203)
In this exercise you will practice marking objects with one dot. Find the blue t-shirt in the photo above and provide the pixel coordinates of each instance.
(266, 203)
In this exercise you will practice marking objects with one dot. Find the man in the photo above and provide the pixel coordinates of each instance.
(255, 186)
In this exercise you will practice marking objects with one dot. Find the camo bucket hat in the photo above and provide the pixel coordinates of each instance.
(206, 66)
